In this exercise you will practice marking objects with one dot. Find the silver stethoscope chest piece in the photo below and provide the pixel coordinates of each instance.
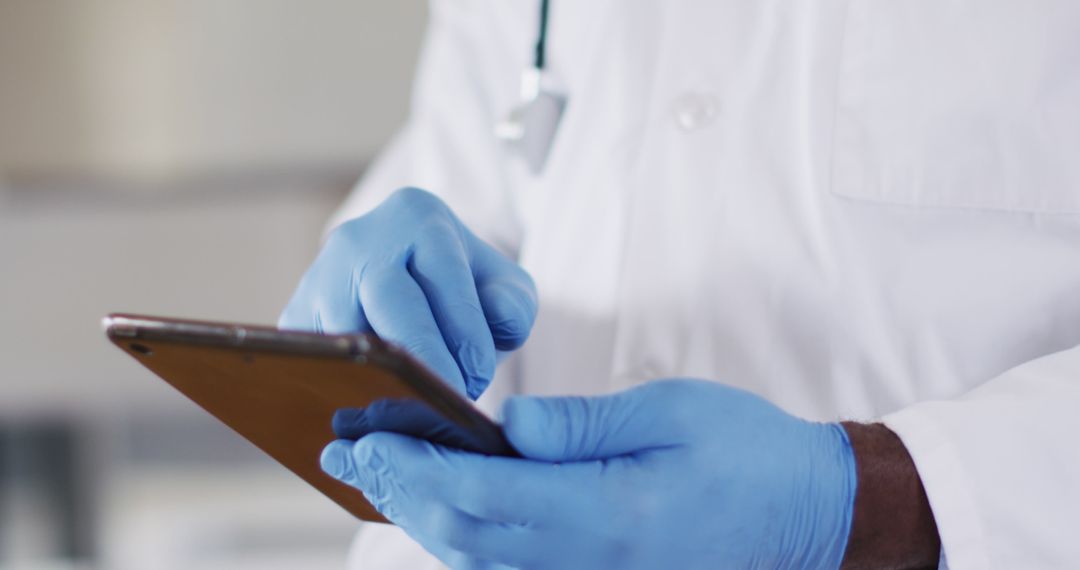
(529, 128)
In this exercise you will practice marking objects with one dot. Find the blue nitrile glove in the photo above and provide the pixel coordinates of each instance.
(413, 274)
(672, 474)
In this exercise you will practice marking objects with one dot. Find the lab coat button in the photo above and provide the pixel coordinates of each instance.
(694, 110)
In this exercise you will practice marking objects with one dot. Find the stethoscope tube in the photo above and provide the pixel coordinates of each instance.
(541, 36)
(529, 128)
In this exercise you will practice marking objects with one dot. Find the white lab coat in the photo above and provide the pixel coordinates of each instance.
(862, 209)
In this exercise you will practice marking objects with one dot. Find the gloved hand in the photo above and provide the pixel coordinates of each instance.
(672, 474)
(413, 274)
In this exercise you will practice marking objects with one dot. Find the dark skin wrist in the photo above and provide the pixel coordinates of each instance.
(892, 526)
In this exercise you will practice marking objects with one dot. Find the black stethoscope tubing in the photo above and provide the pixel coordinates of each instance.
(541, 36)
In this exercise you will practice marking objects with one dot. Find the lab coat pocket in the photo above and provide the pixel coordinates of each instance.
(960, 103)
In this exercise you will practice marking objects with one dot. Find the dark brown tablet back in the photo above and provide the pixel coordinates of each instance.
(280, 390)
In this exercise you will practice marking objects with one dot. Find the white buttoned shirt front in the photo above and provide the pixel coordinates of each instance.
(858, 209)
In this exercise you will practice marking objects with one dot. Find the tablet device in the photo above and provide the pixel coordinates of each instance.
(279, 389)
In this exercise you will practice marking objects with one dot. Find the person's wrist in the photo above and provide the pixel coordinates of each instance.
(892, 524)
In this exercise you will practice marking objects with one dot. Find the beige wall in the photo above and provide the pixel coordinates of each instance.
(159, 87)
(174, 157)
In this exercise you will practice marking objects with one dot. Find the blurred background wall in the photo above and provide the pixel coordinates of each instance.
(173, 157)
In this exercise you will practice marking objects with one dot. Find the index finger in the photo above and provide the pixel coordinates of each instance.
(398, 311)
(441, 269)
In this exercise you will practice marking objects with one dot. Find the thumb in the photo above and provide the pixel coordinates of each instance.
(581, 429)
